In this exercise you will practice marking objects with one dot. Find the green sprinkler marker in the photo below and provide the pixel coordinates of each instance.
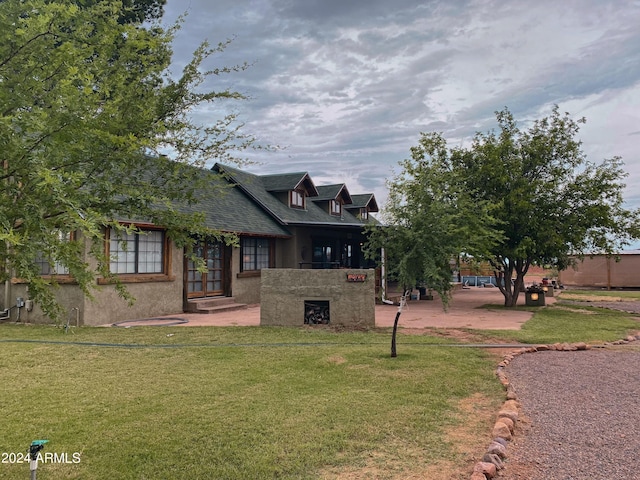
(34, 449)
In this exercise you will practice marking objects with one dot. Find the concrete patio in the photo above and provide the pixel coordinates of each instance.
(466, 310)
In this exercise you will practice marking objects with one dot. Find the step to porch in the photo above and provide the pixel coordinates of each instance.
(213, 305)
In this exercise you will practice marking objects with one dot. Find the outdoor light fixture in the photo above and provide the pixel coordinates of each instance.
(534, 296)
(545, 289)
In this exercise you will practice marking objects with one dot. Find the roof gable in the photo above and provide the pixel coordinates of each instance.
(289, 181)
(364, 200)
(265, 190)
(334, 192)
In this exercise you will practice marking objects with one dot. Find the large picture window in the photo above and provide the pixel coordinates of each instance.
(256, 253)
(140, 252)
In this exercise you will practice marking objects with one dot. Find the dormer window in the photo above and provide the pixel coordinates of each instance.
(296, 199)
(335, 207)
(364, 213)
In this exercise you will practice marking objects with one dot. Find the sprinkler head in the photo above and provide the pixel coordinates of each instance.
(35, 447)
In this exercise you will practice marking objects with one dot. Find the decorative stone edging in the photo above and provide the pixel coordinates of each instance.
(507, 418)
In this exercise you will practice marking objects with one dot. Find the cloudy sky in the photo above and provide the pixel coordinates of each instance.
(348, 85)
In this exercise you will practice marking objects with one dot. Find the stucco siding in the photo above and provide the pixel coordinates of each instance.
(285, 291)
(604, 272)
(151, 298)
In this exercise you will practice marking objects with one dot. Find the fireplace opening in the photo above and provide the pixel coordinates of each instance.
(316, 312)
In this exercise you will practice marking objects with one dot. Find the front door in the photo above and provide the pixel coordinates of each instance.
(211, 282)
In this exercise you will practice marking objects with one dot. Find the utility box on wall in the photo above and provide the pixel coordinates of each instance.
(290, 297)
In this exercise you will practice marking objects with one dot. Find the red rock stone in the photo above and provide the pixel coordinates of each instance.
(488, 469)
(513, 416)
(493, 458)
(478, 476)
(497, 449)
(508, 422)
(502, 430)
(510, 405)
(501, 441)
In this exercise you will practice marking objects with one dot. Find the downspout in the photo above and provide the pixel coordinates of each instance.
(6, 313)
(7, 264)
(383, 278)
(6, 293)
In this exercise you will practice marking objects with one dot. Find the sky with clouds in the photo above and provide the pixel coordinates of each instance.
(348, 85)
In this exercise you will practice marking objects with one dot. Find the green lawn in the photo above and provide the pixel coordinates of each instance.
(571, 322)
(259, 402)
(247, 403)
(604, 295)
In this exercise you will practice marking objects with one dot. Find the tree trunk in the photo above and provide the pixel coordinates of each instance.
(521, 267)
(394, 353)
(403, 301)
(503, 272)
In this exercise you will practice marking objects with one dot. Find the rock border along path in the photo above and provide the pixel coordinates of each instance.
(493, 460)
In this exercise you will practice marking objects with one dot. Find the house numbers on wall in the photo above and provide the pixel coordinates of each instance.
(356, 277)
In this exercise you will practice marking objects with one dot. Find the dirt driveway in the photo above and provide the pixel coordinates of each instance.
(466, 310)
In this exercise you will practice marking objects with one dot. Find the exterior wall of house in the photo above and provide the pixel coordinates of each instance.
(284, 250)
(69, 296)
(604, 272)
(291, 251)
(152, 299)
(301, 249)
(244, 288)
(285, 291)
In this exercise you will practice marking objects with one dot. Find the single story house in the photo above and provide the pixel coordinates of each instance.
(281, 220)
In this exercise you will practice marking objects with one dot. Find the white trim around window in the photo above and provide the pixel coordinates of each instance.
(296, 198)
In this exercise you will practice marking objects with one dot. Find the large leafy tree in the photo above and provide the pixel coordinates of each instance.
(87, 106)
(134, 11)
(552, 203)
(429, 218)
(513, 198)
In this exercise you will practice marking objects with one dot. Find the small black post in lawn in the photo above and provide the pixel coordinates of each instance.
(403, 301)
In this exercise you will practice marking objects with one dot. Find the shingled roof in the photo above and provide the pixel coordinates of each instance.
(333, 192)
(364, 200)
(261, 190)
(228, 209)
(289, 181)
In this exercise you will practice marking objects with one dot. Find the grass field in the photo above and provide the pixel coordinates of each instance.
(601, 295)
(575, 322)
(260, 402)
(247, 403)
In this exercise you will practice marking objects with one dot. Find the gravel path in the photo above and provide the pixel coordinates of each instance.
(580, 415)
